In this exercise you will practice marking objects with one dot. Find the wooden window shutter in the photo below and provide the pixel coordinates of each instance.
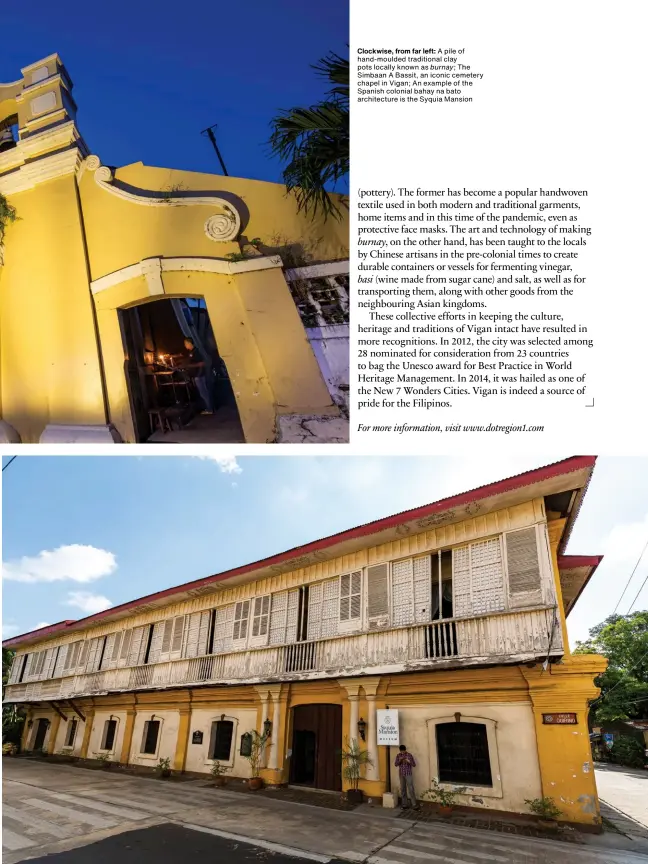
(116, 647)
(85, 645)
(212, 739)
(378, 596)
(356, 595)
(461, 604)
(203, 632)
(125, 646)
(402, 593)
(109, 652)
(156, 642)
(278, 618)
(135, 646)
(256, 619)
(178, 631)
(193, 633)
(92, 659)
(223, 628)
(315, 611)
(522, 561)
(487, 576)
(422, 588)
(241, 616)
(15, 668)
(166, 638)
(345, 597)
(330, 608)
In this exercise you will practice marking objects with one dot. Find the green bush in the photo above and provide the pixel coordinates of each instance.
(627, 750)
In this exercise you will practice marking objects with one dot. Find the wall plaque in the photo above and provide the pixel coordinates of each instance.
(560, 719)
(197, 738)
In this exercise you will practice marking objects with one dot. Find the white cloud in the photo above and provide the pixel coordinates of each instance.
(9, 630)
(42, 624)
(77, 563)
(227, 464)
(87, 602)
(624, 543)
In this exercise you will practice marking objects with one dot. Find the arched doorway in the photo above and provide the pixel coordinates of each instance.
(178, 384)
(316, 745)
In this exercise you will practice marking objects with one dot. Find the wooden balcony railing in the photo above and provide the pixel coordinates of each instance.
(506, 637)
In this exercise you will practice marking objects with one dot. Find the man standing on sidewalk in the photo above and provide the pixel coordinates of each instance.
(405, 762)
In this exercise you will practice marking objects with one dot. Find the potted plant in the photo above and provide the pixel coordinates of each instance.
(103, 758)
(353, 758)
(257, 749)
(444, 798)
(218, 772)
(545, 809)
(163, 768)
(9, 749)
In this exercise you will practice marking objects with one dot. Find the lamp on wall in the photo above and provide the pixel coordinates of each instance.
(267, 727)
(362, 728)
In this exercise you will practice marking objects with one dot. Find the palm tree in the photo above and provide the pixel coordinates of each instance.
(315, 141)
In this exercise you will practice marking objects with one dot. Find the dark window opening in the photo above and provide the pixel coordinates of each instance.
(221, 740)
(71, 733)
(462, 750)
(302, 614)
(110, 730)
(151, 732)
(212, 628)
(23, 667)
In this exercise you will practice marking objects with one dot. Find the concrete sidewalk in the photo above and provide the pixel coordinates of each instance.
(53, 808)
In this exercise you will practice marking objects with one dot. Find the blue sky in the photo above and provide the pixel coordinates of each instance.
(147, 523)
(149, 77)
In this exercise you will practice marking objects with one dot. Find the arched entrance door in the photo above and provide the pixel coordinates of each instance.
(316, 745)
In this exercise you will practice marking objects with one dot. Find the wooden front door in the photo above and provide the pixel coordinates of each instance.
(316, 744)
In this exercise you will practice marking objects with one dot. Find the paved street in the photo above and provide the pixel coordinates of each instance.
(97, 816)
(625, 790)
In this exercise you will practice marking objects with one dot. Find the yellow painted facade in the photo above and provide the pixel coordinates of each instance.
(92, 242)
(503, 686)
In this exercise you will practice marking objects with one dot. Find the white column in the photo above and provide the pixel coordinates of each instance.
(372, 772)
(274, 751)
(353, 717)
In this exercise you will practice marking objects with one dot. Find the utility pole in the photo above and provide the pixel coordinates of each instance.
(209, 132)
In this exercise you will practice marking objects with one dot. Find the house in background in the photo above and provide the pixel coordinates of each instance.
(109, 269)
(452, 615)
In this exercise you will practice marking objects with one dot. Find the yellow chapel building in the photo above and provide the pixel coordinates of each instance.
(452, 617)
(108, 268)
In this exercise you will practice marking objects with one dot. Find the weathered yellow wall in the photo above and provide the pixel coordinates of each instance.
(49, 359)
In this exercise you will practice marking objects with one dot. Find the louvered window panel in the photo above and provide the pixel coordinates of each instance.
(83, 656)
(402, 593)
(351, 597)
(278, 618)
(223, 629)
(136, 646)
(524, 577)
(315, 595)
(260, 616)
(422, 585)
(378, 596)
(197, 629)
(478, 578)
(156, 642)
(125, 646)
(116, 647)
(241, 616)
(178, 632)
(60, 662)
(166, 636)
(461, 602)
(15, 668)
(330, 606)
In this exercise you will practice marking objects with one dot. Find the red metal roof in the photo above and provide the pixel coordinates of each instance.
(518, 481)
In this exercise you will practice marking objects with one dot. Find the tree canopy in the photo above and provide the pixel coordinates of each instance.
(623, 639)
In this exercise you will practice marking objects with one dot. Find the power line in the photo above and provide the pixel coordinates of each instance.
(631, 575)
(4, 467)
(638, 593)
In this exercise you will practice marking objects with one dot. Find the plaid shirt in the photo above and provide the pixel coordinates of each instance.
(405, 762)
